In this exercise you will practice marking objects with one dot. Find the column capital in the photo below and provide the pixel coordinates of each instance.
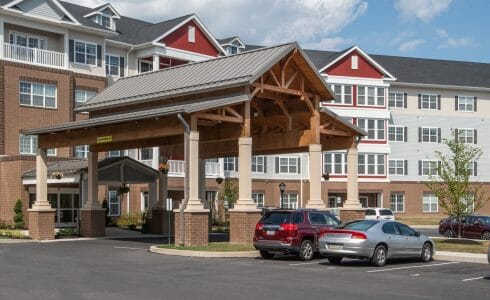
(194, 135)
(245, 140)
(315, 148)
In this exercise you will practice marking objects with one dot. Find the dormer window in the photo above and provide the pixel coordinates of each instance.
(233, 49)
(104, 20)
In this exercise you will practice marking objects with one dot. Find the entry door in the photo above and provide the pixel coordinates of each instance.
(364, 201)
(68, 209)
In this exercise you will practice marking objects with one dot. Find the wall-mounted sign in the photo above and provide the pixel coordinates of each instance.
(104, 139)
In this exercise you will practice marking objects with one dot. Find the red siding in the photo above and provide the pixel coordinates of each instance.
(179, 40)
(343, 68)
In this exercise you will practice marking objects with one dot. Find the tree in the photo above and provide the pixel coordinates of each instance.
(452, 186)
(19, 215)
(229, 195)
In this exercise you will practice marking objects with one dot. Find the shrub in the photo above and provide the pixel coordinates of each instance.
(5, 225)
(15, 234)
(19, 215)
(67, 232)
(130, 220)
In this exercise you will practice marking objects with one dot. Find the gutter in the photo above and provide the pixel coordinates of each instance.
(187, 130)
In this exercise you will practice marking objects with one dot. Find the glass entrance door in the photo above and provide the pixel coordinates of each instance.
(67, 206)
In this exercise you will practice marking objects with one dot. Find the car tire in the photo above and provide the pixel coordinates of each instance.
(485, 235)
(380, 256)
(334, 260)
(427, 253)
(266, 254)
(448, 233)
(306, 250)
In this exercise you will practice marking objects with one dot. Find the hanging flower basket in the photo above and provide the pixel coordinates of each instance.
(123, 189)
(163, 167)
(58, 175)
(326, 176)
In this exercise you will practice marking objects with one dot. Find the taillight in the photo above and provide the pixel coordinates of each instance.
(259, 226)
(288, 227)
(358, 235)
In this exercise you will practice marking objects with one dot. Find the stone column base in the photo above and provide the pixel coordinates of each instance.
(347, 214)
(196, 227)
(242, 225)
(92, 222)
(154, 222)
(41, 224)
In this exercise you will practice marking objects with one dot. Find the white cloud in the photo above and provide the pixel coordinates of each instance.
(333, 44)
(311, 22)
(411, 45)
(424, 10)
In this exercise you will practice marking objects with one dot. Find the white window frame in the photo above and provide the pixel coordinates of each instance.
(465, 138)
(430, 135)
(258, 198)
(431, 166)
(363, 100)
(428, 99)
(86, 96)
(331, 163)
(85, 43)
(144, 62)
(31, 94)
(258, 164)
(32, 140)
(465, 105)
(81, 151)
(99, 20)
(191, 34)
(145, 199)
(230, 160)
(379, 161)
(396, 100)
(108, 65)
(428, 199)
(288, 202)
(394, 164)
(342, 96)
(112, 195)
(379, 133)
(354, 59)
(288, 162)
(397, 202)
(29, 36)
(396, 133)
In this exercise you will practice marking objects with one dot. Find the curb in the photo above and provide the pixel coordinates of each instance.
(461, 257)
(208, 254)
(15, 241)
(425, 226)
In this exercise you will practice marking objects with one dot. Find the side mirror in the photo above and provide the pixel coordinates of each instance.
(417, 234)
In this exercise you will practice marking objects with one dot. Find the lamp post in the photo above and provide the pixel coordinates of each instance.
(282, 188)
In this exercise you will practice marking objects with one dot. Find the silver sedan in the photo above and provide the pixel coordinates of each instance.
(377, 240)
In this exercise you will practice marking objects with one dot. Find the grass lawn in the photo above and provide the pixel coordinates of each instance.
(4, 237)
(419, 221)
(213, 247)
(455, 245)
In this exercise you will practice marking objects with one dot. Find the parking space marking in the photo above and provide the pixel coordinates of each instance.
(471, 279)
(412, 267)
(308, 263)
(131, 248)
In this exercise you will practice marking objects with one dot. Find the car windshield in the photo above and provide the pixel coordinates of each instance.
(276, 218)
(385, 212)
(360, 225)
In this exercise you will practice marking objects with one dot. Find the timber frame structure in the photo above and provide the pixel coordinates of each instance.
(259, 102)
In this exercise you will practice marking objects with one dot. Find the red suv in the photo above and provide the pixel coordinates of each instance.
(473, 227)
(292, 232)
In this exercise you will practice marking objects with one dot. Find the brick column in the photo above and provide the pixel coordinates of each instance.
(196, 227)
(315, 167)
(92, 215)
(41, 215)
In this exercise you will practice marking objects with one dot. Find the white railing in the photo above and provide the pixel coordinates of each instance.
(34, 55)
(148, 162)
(177, 168)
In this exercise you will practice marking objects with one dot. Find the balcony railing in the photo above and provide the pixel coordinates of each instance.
(34, 56)
(177, 168)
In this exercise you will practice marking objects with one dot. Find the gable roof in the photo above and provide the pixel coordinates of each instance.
(13, 3)
(230, 40)
(102, 7)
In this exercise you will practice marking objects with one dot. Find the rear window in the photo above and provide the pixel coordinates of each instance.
(276, 218)
(360, 225)
(370, 212)
(385, 212)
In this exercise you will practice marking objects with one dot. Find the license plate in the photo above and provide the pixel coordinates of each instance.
(334, 246)
(270, 232)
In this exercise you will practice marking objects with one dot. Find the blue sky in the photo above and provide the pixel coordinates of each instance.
(442, 29)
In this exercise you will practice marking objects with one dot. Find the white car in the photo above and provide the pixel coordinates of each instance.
(379, 213)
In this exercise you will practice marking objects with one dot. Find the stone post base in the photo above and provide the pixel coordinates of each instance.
(154, 224)
(92, 222)
(41, 224)
(196, 227)
(347, 215)
(242, 225)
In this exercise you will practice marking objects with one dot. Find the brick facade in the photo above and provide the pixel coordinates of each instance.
(196, 228)
(92, 222)
(347, 215)
(242, 226)
(41, 224)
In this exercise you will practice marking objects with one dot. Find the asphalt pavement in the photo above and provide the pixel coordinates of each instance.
(124, 269)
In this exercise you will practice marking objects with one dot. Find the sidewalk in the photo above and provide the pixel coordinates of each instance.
(461, 257)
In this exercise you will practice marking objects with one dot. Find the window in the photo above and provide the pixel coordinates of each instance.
(397, 133)
(258, 164)
(374, 128)
(230, 164)
(192, 34)
(115, 153)
(114, 203)
(290, 200)
(112, 65)
(429, 167)
(27, 40)
(104, 20)
(467, 136)
(28, 145)
(83, 96)
(465, 103)
(85, 53)
(144, 201)
(232, 49)
(405, 230)
(397, 202)
(390, 228)
(146, 154)
(468, 201)
(397, 100)
(258, 199)
(287, 165)
(145, 66)
(430, 203)
(429, 102)
(354, 62)
(81, 151)
(429, 135)
(370, 96)
(371, 164)
(335, 163)
(397, 167)
(317, 218)
(343, 94)
(37, 94)
(473, 168)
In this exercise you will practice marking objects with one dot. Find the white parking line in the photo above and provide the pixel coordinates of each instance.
(308, 263)
(412, 267)
(476, 278)
(130, 248)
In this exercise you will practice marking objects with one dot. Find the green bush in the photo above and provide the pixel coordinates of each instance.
(15, 234)
(130, 220)
(5, 225)
(67, 232)
(19, 215)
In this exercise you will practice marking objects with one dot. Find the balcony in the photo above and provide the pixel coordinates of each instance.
(177, 168)
(34, 56)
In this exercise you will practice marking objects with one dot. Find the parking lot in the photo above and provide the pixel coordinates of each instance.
(124, 269)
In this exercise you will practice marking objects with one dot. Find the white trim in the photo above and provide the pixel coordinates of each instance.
(396, 93)
(75, 178)
(473, 103)
(55, 2)
(442, 86)
(395, 126)
(186, 55)
(422, 134)
(429, 95)
(396, 159)
(361, 112)
(96, 54)
(366, 56)
(108, 5)
(374, 148)
(242, 45)
(334, 79)
(29, 35)
(118, 65)
(431, 163)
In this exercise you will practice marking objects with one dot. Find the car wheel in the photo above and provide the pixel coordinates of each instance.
(266, 255)
(380, 256)
(334, 260)
(448, 233)
(306, 251)
(485, 235)
(427, 253)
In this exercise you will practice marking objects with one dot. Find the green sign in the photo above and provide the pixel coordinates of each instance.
(104, 139)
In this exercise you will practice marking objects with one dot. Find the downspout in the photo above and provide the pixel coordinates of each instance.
(187, 129)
